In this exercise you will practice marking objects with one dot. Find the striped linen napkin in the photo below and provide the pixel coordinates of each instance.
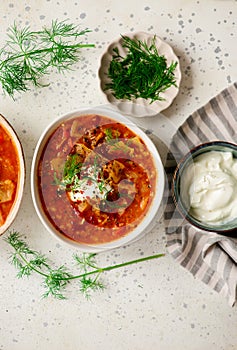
(207, 255)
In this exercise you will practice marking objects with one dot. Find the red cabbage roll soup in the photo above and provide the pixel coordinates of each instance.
(96, 179)
(9, 170)
(12, 174)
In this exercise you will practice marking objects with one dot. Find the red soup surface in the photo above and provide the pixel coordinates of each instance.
(9, 170)
(96, 179)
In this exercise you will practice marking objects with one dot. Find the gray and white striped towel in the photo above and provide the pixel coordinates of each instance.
(207, 255)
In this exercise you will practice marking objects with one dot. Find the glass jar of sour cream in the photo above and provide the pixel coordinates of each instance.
(208, 187)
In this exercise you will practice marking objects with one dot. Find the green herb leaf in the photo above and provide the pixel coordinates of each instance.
(28, 56)
(142, 73)
(72, 169)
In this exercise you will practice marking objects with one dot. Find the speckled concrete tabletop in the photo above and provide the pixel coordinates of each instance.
(155, 305)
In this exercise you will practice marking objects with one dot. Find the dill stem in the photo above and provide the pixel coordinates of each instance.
(113, 267)
(45, 50)
(30, 265)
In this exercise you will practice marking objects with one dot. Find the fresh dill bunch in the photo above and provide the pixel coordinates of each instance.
(142, 73)
(55, 280)
(28, 56)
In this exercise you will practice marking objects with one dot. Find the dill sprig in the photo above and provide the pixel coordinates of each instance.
(55, 280)
(142, 73)
(72, 168)
(28, 55)
(72, 180)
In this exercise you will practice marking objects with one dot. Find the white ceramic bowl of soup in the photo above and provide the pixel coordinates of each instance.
(12, 174)
(97, 180)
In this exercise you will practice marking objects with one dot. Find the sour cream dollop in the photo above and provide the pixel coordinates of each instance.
(209, 187)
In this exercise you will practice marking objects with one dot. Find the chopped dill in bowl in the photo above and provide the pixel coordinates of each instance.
(142, 73)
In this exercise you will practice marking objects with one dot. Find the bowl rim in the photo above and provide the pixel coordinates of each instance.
(7, 126)
(176, 198)
(156, 202)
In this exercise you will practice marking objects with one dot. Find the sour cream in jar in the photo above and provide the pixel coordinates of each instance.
(208, 187)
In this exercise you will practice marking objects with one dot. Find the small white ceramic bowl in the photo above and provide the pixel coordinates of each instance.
(225, 228)
(139, 107)
(145, 224)
(20, 177)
